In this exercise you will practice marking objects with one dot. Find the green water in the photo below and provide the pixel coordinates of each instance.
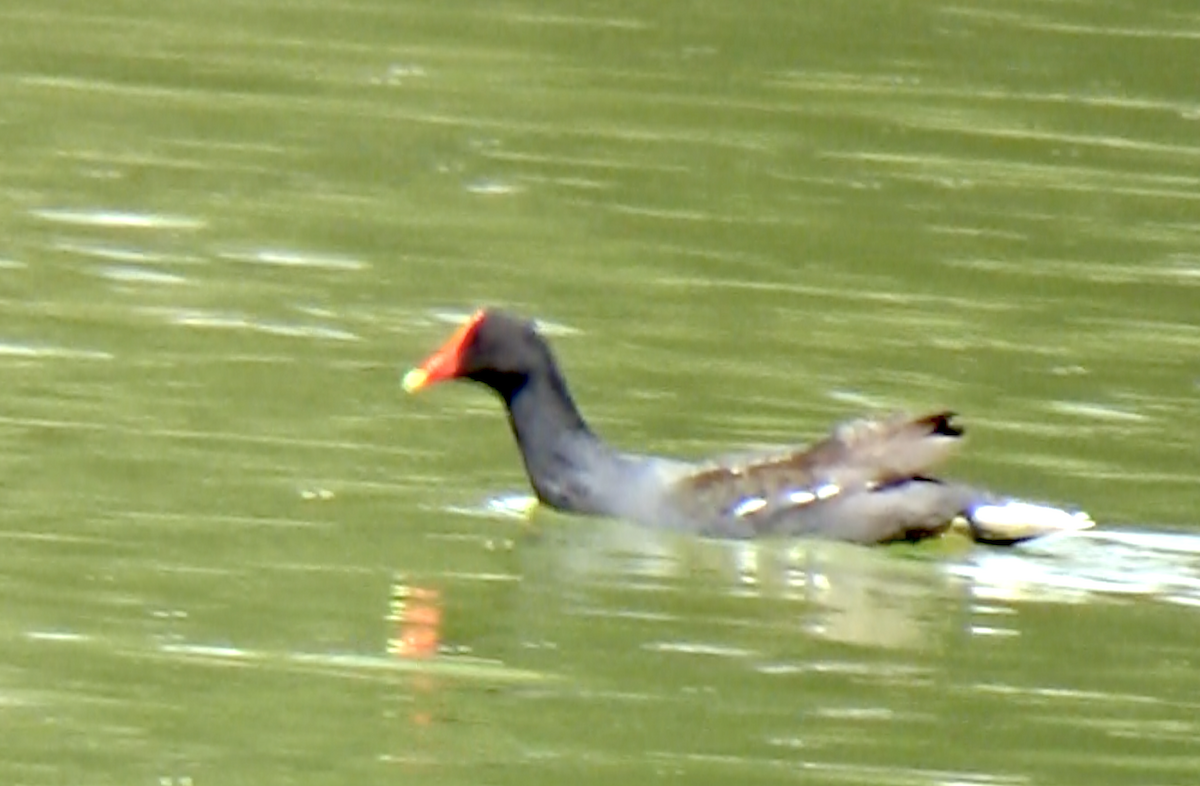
(227, 227)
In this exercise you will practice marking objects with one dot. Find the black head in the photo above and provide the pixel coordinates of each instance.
(494, 348)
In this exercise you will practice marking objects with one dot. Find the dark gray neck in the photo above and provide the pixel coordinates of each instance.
(569, 467)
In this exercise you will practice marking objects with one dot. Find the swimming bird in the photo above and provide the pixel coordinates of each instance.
(868, 481)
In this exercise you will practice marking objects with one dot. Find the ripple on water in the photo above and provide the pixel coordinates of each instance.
(114, 253)
(56, 635)
(290, 258)
(116, 218)
(699, 648)
(214, 320)
(1085, 566)
(488, 187)
(456, 317)
(128, 274)
(18, 349)
(1096, 411)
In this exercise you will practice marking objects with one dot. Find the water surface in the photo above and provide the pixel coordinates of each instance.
(234, 552)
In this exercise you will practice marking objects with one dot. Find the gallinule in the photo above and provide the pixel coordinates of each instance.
(866, 482)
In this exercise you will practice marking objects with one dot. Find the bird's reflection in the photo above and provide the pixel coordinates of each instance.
(831, 591)
(901, 597)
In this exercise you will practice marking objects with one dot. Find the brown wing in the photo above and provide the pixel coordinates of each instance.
(867, 452)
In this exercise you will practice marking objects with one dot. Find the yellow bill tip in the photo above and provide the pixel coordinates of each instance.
(414, 380)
